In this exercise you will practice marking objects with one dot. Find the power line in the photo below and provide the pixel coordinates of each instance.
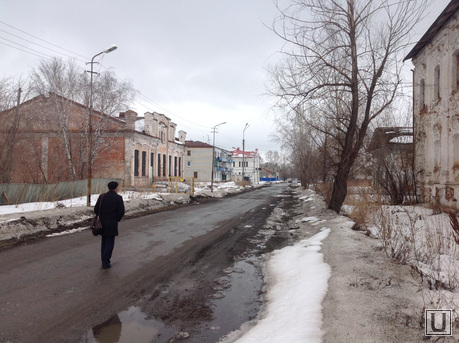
(42, 40)
(150, 103)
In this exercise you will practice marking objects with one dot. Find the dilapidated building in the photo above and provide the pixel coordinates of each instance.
(45, 140)
(436, 111)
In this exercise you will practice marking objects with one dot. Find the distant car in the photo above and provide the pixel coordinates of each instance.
(289, 181)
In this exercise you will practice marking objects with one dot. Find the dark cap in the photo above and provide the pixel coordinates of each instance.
(112, 185)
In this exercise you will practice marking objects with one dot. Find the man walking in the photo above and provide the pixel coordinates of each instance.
(110, 209)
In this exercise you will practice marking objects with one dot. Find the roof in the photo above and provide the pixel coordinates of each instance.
(438, 24)
(385, 136)
(197, 144)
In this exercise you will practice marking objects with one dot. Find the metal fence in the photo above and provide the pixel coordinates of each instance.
(178, 184)
(18, 193)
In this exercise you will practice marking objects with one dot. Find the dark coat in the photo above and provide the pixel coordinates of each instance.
(110, 213)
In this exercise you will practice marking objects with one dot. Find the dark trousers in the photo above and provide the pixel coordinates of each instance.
(107, 245)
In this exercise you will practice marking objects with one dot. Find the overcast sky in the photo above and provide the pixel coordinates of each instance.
(200, 62)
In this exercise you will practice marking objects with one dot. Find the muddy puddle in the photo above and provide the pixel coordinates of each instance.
(236, 300)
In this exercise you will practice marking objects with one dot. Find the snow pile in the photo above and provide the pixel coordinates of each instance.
(72, 215)
(294, 296)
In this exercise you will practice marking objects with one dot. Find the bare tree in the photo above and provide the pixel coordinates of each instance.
(12, 94)
(344, 66)
(65, 84)
(272, 157)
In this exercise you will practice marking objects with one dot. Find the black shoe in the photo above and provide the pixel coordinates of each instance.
(107, 267)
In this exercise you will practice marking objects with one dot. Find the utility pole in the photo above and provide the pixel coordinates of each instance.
(243, 151)
(213, 157)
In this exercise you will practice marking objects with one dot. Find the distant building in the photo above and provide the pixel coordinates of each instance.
(199, 162)
(391, 149)
(246, 165)
(436, 111)
(50, 144)
(269, 172)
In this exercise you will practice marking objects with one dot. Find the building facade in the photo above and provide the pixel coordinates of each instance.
(200, 161)
(435, 109)
(50, 144)
(246, 165)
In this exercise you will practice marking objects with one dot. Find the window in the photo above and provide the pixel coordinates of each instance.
(437, 83)
(170, 165)
(188, 163)
(152, 159)
(179, 166)
(136, 162)
(175, 166)
(188, 153)
(164, 165)
(456, 70)
(422, 95)
(144, 163)
(195, 174)
(159, 164)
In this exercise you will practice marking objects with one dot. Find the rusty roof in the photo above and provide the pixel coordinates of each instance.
(438, 24)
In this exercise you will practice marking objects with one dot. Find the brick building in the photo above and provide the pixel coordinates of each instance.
(45, 140)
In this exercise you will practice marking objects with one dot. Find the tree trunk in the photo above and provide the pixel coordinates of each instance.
(339, 191)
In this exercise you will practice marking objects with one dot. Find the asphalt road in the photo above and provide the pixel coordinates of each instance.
(54, 290)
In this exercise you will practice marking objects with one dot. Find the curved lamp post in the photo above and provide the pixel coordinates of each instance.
(88, 199)
(213, 157)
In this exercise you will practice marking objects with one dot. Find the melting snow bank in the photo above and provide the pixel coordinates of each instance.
(297, 283)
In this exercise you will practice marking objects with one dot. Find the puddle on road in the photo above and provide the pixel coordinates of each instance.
(126, 327)
(235, 302)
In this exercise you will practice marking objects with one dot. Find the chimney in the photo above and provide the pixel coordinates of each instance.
(149, 125)
(172, 129)
(130, 117)
(182, 136)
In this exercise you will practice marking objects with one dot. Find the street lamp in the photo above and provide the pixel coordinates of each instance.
(243, 151)
(106, 51)
(213, 157)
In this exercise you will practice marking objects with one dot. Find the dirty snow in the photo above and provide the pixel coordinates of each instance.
(294, 296)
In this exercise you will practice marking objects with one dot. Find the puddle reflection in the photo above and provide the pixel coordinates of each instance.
(127, 327)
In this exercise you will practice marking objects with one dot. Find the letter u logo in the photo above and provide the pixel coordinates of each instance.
(443, 324)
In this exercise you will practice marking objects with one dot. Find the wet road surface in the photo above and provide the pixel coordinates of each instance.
(54, 290)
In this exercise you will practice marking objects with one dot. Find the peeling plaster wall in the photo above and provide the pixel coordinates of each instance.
(436, 117)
